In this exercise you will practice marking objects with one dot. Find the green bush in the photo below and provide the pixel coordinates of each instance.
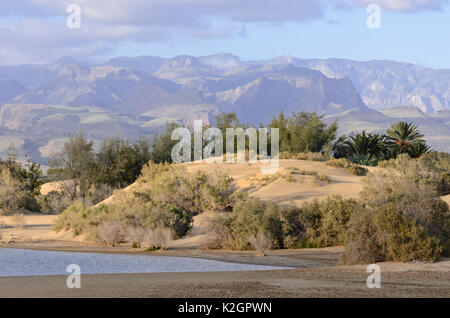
(165, 197)
(365, 160)
(192, 192)
(251, 217)
(404, 220)
(13, 197)
(334, 215)
(73, 218)
(315, 224)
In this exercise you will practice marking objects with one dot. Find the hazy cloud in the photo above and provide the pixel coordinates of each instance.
(35, 30)
(39, 26)
(405, 5)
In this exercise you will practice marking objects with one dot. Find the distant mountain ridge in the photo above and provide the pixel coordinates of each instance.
(44, 104)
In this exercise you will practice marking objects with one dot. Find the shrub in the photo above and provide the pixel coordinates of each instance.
(365, 160)
(404, 220)
(326, 222)
(192, 192)
(74, 218)
(260, 242)
(357, 170)
(13, 198)
(132, 212)
(319, 177)
(111, 232)
(135, 235)
(252, 216)
(311, 156)
(220, 232)
(362, 245)
(158, 238)
(351, 167)
(315, 224)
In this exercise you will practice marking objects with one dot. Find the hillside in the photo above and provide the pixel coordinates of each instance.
(41, 105)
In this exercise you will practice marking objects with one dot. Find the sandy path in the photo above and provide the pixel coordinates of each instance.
(322, 282)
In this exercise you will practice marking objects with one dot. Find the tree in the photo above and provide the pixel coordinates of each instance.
(227, 120)
(417, 149)
(363, 144)
(304, 132)
(403, 134)
(119, 163)
(76, 162)
(162, 144)
(31, 177)
(281, 122)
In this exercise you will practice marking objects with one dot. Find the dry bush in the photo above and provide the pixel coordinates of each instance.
(319, 177)
(352, 168)
(111, 232)
(311, 156)
(158, 238)
(18, 220)
(260, 242)
(219, 230)
(432, 169)
(135, 235)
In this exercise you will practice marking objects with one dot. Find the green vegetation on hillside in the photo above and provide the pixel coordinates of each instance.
(371, 148)
(166, 198)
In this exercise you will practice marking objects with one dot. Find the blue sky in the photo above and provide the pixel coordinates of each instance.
(416, 31)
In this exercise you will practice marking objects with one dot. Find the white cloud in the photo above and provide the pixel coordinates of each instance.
(35, 30)
(38, 26)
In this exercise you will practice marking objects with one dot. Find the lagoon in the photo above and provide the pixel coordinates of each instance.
(18, 262)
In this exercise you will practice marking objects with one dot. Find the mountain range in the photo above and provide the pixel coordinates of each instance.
(131, 96)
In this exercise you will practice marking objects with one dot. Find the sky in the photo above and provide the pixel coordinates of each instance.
(39, 31)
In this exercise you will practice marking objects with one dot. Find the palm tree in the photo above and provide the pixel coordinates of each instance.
(417, 149)
(367, 144)
(403, 135)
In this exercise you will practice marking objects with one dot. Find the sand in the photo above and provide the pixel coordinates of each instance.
(318, 273)
(317, 282)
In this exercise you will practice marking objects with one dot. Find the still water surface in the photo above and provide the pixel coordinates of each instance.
(17, 262)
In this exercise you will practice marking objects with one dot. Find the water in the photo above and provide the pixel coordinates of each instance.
(16, 262)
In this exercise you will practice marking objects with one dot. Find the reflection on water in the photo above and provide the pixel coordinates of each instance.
(16, 262)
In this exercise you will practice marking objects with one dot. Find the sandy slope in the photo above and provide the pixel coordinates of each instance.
(446, 199)
(247, 177)
(280, 190)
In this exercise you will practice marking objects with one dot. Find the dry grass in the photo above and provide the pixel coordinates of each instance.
(158, 238)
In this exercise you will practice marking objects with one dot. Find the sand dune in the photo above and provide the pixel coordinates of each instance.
(293, 184)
